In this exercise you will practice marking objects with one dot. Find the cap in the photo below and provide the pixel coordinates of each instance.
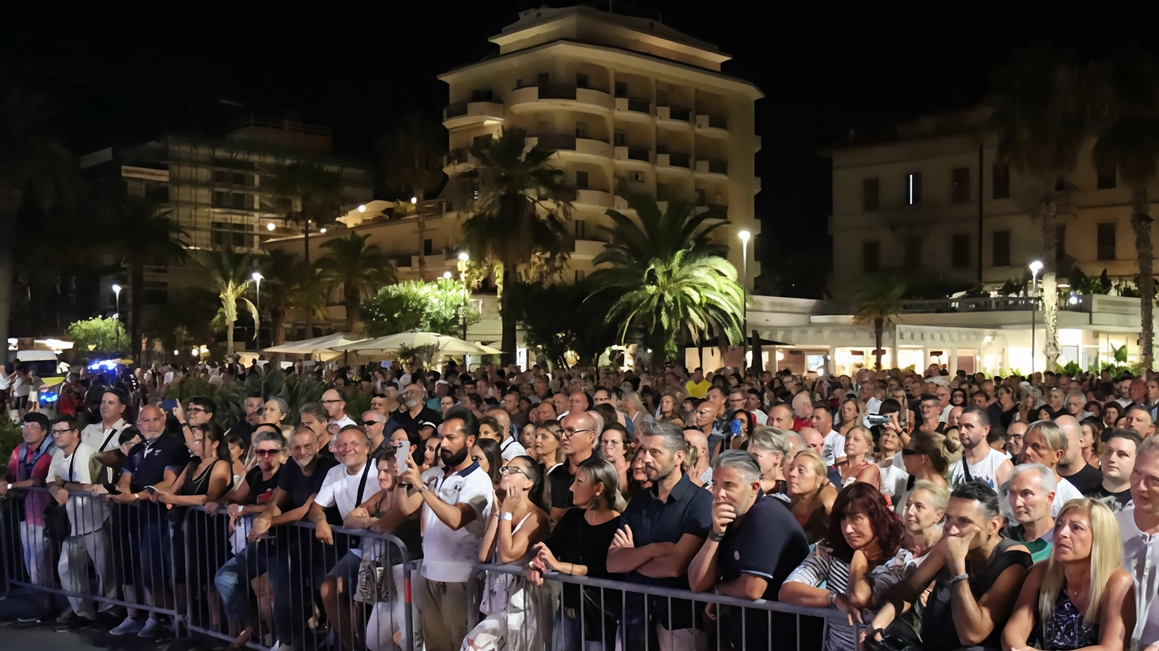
(427, 423)
(38, 418)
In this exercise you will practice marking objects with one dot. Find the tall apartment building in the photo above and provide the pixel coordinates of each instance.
(631, 105)
(218, 189)
(936, 200)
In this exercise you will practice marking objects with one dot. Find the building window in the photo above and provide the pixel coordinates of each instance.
(1105, 235)
(232, 200)
(428, 247)
(620, 138)
(158, 192)
(960, 184)
(871, 256)
(1106, 177)
(581, 80)
(225, 235)
(581, 179)
(481, 141)
(580, 275)
(1001, 245)
(581, 129)
(913, 188)
(960, 252)
(481, 95)
(1060, 241)
(581, 229)
(913, 252)
(870, 194)
(621, 89)
(1001, 182)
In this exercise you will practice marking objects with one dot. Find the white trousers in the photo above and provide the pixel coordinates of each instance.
(78, 552)
(36, 553)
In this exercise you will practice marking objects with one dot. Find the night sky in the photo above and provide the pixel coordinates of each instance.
(124, 75)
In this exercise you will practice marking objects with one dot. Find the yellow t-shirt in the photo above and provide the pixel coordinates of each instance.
(698, 390)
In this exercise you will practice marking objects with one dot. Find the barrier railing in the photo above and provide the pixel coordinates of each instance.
(199, 573)
(606, 615)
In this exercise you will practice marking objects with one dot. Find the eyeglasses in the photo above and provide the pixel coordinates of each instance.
(330, 402)
(266, 453)
(737, 401)
(571, 431)
(195, 410)
(57, 432)
(511, 470)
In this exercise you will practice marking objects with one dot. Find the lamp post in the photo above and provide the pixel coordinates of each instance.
(744, 284)
(463, 258)
(1035, 267)
(117, 293)
(257, 277)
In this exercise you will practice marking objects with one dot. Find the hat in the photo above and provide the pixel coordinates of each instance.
(427, 423)
(38, 418)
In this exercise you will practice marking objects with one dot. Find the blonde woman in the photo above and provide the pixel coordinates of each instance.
(859, 464)
(811, 495)
(850, 413)
(1081, 597)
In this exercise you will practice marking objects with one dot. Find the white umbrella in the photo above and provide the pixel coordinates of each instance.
(339, 341)
(442, 343)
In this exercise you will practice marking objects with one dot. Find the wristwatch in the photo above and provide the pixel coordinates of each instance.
(715, 537)
(961, 577)
(832, 598)
(507, 517)
(9, 485)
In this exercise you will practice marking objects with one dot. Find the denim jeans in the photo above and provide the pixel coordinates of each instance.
(568, 633)
(233, 579)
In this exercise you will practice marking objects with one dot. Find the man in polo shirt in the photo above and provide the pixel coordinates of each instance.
(156, 460)
(414, 409)
(88, 541)
(577, 440)
(1031, 492)
(833, 451)
(345, 487)
(28, 468)
(335, 406)
(663, 528)
(509, 447)
(102, 436)
(754, 545)
(458, 505)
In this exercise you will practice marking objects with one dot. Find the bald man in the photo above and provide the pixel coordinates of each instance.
(1073, 467)
(701, 473)
(781, 417)
(816, 442)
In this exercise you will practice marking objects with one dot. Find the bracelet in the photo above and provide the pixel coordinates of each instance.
(832, 598)
(715, 537)
(961, 577)
(506, 517)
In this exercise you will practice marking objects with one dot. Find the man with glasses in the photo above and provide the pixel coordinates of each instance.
(28, 468)
(72, 469)
(335, 406)
(414, 409)
(930, 410)
(1014, 435)
(200, 412)
(576, 440)
(375, 425)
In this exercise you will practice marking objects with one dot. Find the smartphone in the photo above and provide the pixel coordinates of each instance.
(169, 404)
(877, 419)
(401, 450)
(735, 427)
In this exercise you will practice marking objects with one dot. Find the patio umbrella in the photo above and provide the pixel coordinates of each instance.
(339, 341)
(443, 344)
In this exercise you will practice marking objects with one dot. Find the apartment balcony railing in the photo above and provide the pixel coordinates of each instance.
(710, 121)
(712, 166)
(1001, 304)
(555, 141)
(674, 160)
(634, 105)
(677, 113)
(475, 111)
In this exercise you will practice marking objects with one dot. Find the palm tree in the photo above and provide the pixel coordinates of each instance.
(412, 159)
(1129, 143)
(33, 163)
(311, 295)
(355, 269)
(877, 301)
(1041, 120)
(229, 274)
(311, 196)
(658, 235)
(141, 233)
(280, 271)
(685, 291)
(519, 218)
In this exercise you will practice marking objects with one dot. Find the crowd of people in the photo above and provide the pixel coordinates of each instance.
(929, 510)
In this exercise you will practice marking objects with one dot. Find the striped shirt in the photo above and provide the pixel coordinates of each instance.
(824, 569)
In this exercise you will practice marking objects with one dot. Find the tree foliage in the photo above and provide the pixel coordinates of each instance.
(99, 335)
(355, 269)
(556, 319)
(414, 305)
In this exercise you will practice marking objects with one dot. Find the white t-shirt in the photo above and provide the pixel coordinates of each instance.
(94, 435)
(341, 488)
(85, 513)
(1064, 493)
(762, 417)
(511, 449)
(343, 422)
(1141, 560)
(985, 470)
(834, 448)
(448, 556)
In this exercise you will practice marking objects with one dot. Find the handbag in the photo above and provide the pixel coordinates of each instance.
(56, 523)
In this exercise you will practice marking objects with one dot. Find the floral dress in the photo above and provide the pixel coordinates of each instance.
(1065, 629)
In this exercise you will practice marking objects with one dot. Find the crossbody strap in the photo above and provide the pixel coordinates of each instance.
(362, 482)
(112, 433)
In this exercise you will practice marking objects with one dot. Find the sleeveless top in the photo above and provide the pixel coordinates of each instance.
(1065, 629)
(983, 473)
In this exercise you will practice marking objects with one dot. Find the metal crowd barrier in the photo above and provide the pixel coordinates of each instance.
(197, 571)
(622, 616)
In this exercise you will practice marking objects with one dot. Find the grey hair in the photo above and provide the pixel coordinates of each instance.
(1074, 393)
(273, 437)
(672, 434)
(635, 398)
(1046, 479)
(795, 438)
(376, 412)
(740, 461)
(595, 421)
(770, 439)
(282, 406)
(1051, 432)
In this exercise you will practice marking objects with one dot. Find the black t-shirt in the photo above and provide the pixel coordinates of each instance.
(560, 480)
(1088, 480)
(261, 490)
(1114, 500)
(403, 418)
(769, 543)
(243, 429)
(575, 541)
(298, 485)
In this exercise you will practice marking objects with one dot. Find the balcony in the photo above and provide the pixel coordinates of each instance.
(461, 114)
(627, 107)
(533, 98)
(457, 161)
(570, 146)
(756, 184)
(706, 166)
(587, 249)
(591, 198)
(719, 211)
(674, 116)
(640, 155)
(711, 125)
(669, 160)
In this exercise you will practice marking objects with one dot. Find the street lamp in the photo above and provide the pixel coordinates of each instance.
(744, 283)
(117, 292)
(1035, 267)
(447, 275)
(257, 276)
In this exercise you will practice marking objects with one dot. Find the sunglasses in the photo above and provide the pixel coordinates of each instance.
(266, 453)
(907, 452)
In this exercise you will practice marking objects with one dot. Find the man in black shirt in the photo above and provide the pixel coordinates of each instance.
(1117, 464)
(754, 545)
(663, 529)
(1085, 477)
(414, 409)
(577, 440)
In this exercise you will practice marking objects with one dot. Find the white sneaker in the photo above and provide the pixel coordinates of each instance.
(127, 627)
(150, 628)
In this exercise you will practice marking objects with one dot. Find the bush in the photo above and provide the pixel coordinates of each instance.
(99, 335)
(415, 305)
(10, 437)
